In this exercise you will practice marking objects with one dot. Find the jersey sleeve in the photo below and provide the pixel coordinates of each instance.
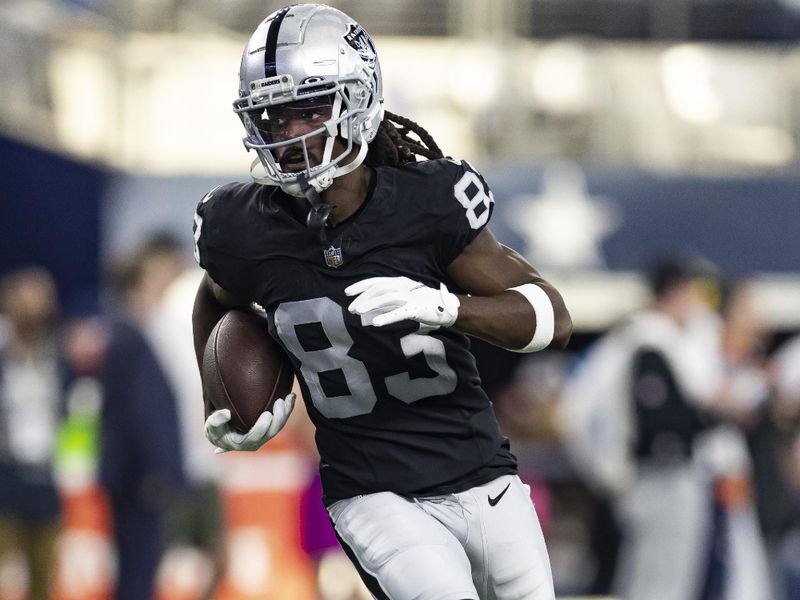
(212, 249)
(465, 210)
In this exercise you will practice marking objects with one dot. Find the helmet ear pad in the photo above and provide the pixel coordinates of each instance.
(358, 97)
(371, 125)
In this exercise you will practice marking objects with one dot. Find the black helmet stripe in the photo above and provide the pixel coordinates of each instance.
(271, 45)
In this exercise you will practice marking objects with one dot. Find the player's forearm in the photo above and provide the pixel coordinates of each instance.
(509, 320)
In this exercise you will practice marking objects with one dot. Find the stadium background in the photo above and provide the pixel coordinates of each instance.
(611, 131)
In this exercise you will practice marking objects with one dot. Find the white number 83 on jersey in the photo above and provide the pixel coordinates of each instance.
(362, 398)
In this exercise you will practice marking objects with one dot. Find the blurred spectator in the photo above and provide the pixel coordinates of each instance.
(141, 464)
(780, 502)
(738, 566)
(195, 524)
(631, 413)
(33, 382)
(787, 359)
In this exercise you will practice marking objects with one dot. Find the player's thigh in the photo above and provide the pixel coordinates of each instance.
(509, 555)
(402, 551)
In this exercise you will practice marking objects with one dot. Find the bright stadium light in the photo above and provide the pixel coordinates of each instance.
(687, 74)
(560, 78)
(475, 77)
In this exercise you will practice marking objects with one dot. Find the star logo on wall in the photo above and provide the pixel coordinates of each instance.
(563, 225)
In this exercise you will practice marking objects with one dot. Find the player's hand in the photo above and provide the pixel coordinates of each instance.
(400, 298)
(219, 431)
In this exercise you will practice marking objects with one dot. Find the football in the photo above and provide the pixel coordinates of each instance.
(244, 369)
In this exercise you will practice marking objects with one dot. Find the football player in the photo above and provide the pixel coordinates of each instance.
(372, 268)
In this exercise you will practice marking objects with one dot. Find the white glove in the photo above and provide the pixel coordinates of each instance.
(219, 431)
(400, 298)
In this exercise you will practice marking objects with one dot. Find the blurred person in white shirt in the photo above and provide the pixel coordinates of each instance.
(33, 384)
(786, 421)
(632, 412)
(723, 451)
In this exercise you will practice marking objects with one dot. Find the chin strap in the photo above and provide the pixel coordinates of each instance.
(353, 164)
(320, 216)
(258, 178)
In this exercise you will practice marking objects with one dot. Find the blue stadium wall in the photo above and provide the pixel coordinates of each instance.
(50, 216)
(745, 225)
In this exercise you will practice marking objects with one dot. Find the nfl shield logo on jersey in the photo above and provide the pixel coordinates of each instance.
(333, 257)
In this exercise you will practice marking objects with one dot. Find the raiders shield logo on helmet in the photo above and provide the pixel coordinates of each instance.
(360, 42)
(333, 257)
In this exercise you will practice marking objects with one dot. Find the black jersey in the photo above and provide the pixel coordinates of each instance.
(397, 408)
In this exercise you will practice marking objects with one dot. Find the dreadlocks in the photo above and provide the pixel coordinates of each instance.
(394, 146)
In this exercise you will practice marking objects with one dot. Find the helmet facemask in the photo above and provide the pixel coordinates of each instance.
(341, 109)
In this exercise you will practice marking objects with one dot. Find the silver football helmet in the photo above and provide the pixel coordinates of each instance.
(315, 62)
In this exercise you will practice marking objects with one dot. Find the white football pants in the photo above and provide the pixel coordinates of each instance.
(482, 544)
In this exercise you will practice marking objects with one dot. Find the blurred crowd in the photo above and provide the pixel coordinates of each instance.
(668, 449)
(663, 455)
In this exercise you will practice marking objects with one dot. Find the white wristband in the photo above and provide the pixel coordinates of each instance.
(545, 319)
